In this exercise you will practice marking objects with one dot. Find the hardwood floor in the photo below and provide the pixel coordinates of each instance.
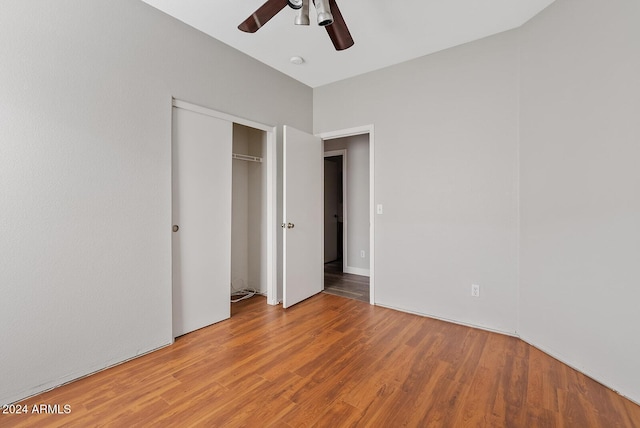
(335, 362)
(344, 284)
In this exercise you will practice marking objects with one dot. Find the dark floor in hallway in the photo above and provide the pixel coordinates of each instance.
(342, 284)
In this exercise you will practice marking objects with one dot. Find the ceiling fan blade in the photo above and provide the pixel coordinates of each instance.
(338, 31)
(262, 15)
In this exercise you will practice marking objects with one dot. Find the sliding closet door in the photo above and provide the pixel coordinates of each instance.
(201, 163)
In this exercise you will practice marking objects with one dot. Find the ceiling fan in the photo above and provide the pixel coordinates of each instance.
(329, 17)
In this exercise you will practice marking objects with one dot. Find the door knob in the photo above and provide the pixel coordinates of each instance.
(290, 225)
(176, 227)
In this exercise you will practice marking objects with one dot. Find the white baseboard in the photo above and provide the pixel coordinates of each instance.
(356, 271)
(552, 354)
(579, 369)
(49, 386)
(465, 324)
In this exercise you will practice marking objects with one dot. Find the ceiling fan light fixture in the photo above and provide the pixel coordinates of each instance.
(328, 13)
(302, 15)
(295, 4)
(324, 13)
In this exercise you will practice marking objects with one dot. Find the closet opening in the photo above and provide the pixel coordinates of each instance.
(248, 214)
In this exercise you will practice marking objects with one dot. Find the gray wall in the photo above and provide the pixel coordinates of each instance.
(512, 162)
(85, 175)
(580, 187)
(446, 174)
(357, 147)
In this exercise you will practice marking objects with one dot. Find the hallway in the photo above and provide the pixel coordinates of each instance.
(343, 284)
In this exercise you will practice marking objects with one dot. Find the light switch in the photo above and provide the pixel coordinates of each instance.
(379, 209)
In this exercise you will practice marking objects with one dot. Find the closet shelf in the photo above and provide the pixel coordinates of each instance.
(246, 157)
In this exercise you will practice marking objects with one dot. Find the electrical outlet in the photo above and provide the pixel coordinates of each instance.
(362, 253)
(475, 290)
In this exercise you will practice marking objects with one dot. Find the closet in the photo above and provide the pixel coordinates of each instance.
(248, 211)
(224, 214)
(223, 199)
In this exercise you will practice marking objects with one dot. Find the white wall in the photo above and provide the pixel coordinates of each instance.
(85, 179)
(357, 147)
(580, 187)
(446, 129)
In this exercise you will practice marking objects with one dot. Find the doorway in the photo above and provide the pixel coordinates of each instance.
(348, 211)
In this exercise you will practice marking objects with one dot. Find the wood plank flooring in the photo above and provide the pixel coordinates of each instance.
(334, 362)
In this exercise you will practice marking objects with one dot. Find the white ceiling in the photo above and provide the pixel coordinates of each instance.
(385, 32)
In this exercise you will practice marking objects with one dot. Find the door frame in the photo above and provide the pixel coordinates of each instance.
(269, 161)
(343, 153)
(349, 132)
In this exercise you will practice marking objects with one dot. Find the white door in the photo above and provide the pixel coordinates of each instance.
(201, 246)
(303, 216)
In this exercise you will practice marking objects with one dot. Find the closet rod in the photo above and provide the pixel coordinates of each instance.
(246, 157)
